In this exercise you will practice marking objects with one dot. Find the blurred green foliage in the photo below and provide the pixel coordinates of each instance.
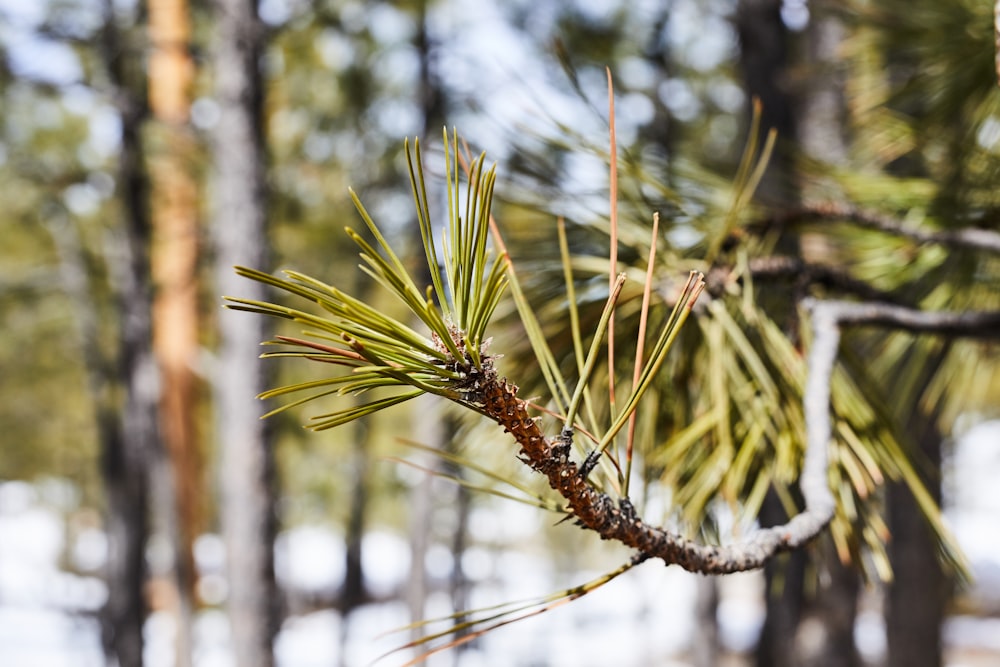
(347, 80)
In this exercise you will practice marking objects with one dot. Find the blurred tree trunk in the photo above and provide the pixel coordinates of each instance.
(174, 198)
(916, 597)
(354, 592)
(784, 596)
(421, 523)
(127, 452)
(658, 132)
(764, 57)
(764, 62)
(705, 652)
(827, 640)
(458, 584)
(247, 510)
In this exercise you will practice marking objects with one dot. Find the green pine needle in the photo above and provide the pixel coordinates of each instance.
(375, 350)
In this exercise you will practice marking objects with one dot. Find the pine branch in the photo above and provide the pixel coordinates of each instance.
(972, 238)
(778, 267)
(619, 521)
(985, 325)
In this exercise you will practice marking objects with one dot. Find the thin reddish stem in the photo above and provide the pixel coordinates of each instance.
(640, 344)
(613, 253)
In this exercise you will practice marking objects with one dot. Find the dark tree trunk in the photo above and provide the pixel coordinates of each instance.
(129, 449)
(915, 600)
(658, 132)
(827, 636)
(432, 99)
(784, 593)
(459, 583)
(354, 593)
(764, 56)
(764, 60)
(828, 640)
(437, 430)
(247, 510)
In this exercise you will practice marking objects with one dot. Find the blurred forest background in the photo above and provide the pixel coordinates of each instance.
(147, 516)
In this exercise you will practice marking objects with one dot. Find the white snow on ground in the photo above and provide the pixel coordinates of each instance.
(37, 625)
(644, 617)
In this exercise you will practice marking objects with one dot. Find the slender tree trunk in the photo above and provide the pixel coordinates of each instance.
(354, 593)
(764, 61)
(705, 652)
(432, 104)
(784, 596)
(432, 99)
(458, 583)
(175, 310)
(828, 637)
(127, 451)
(421, 508)
(915, 600)
(239, 232)
(658, 132)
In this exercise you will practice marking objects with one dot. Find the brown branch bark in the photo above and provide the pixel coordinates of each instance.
(619, 521)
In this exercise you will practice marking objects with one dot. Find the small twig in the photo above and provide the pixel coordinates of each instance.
(792, 267)
(973, 238)
(957, 324)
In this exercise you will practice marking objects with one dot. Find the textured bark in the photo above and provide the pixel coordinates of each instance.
(174, 197)
(239, 234)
